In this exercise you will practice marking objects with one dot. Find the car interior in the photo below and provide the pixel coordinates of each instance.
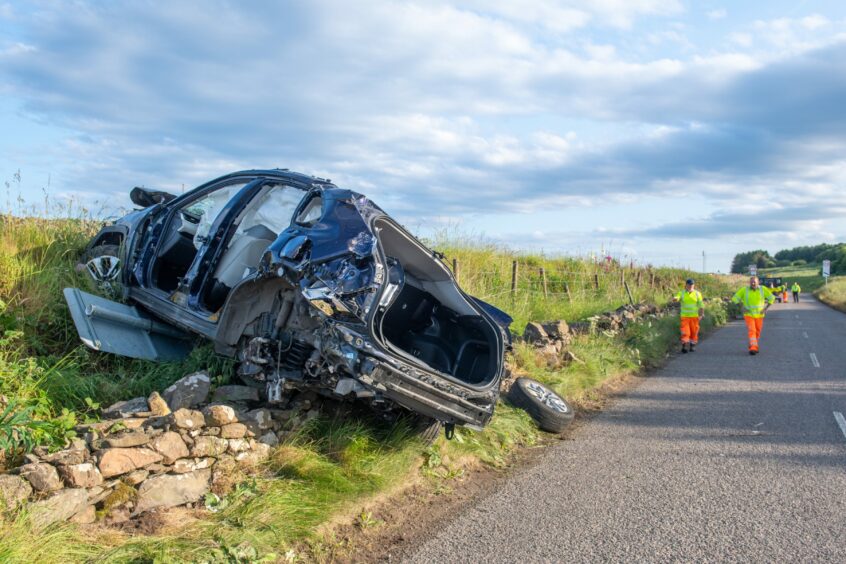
(429, 320)
(258, 225)
(185, 235)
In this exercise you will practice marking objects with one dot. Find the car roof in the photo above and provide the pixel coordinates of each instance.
(282, 174)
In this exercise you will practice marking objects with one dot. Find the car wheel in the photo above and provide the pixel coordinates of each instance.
(102, 265)
(550, 411)
(427, 430)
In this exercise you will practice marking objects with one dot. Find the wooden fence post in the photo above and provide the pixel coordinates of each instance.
(513, 278)
(543, 280)
(629, 292)
(596, 281)
(455, 270)
(567, 289)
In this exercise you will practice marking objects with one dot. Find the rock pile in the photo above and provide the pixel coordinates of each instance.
(551, 338)
(151, 453)
(617, 320)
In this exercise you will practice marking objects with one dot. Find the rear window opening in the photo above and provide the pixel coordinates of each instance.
(429, 321)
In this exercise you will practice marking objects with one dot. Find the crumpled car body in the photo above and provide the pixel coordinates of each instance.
(309, 286)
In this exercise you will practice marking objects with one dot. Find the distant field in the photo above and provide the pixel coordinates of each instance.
(810, 279)
(807, 275)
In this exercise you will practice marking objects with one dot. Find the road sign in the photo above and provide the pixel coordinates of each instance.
(826, 268)
(753, 270)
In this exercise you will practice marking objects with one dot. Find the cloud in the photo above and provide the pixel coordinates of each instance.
(434, 109)
(767, 217)
(717, 14)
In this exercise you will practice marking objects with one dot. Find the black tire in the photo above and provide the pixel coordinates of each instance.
(427, 430)
(104, 287)
(550, 411)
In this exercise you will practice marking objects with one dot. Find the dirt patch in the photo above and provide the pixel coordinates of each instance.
(385, 529)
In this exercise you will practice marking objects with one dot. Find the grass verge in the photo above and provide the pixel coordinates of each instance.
(834, 293)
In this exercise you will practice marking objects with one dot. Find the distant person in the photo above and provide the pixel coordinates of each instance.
(775, 290)
(755, 300)
(796, 289)
(691, 311)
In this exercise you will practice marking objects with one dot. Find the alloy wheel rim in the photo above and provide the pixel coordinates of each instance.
(103, 269)
(547, 397)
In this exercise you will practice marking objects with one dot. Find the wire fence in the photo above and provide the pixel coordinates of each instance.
(517, 279)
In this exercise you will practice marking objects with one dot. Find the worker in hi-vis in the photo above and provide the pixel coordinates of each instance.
(755, 300)
(691, 311)
(796, 289)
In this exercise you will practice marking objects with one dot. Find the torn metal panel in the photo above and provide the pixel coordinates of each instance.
(108, 326)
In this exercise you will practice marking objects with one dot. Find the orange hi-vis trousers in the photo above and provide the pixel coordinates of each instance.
(753, 327)
(689, 330)
(784, 297)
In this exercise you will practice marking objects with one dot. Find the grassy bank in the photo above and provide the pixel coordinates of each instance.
(834, 293)
(808, 276)
(51, 382)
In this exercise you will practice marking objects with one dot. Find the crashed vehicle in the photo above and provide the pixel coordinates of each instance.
(309, 286)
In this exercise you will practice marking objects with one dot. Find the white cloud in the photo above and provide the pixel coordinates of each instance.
(437, 106)
(17, 49)
(717, 14)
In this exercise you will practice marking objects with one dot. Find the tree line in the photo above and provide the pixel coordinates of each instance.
(796, 256)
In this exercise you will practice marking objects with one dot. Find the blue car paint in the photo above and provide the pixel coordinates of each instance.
(337, 255)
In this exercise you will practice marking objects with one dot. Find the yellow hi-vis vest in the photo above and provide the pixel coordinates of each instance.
(796, 288)
(753, 301)
(691, 302)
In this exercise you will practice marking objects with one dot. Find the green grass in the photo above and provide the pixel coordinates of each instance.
(810, 279)
(44, 367)
(808, 275)
(327, 466)
(485, 271)
(834, 293)
(332, 465)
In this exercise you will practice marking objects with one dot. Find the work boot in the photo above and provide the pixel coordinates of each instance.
(684, 348)
(692, 347)
(753, 352)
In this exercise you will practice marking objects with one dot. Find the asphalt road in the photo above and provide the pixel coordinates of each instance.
(718, 457)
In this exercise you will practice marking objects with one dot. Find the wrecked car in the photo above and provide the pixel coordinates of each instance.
(308, 285)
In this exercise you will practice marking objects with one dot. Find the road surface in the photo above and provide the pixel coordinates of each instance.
(719, 457)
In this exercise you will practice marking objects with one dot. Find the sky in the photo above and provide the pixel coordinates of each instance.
(652, 130)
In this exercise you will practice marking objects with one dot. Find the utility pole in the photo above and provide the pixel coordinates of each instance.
(703, 263)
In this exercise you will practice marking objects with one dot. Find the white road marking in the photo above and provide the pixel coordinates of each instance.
(814, 360)
(805, 334)
(841, 422)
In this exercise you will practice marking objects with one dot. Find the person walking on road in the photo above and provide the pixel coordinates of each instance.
(755, 300)
(691, 311)
(796, 289)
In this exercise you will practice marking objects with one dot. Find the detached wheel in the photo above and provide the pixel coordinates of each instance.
(550, 411)
(103, 267)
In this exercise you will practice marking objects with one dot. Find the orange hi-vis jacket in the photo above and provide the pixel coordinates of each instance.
(754, 301)
(691, 303)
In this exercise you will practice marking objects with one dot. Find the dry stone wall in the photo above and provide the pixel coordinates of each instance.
(151, 453)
